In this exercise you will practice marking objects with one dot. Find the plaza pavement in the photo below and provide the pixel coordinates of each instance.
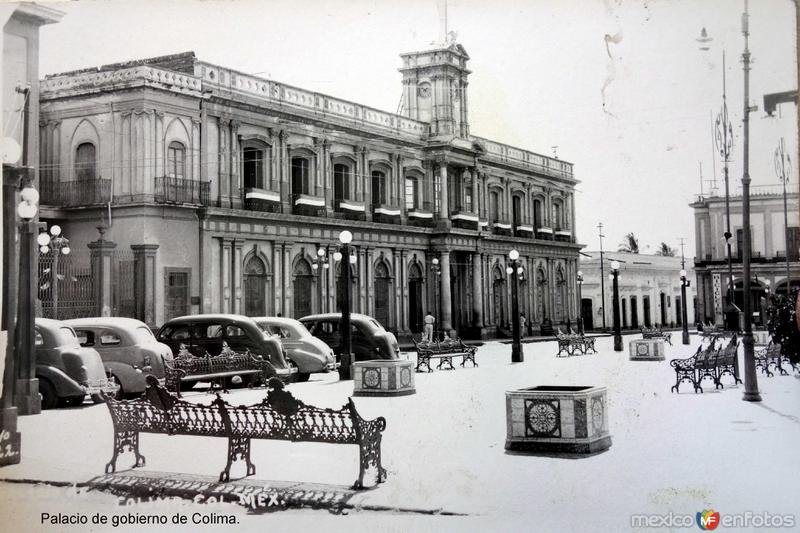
(444, 450)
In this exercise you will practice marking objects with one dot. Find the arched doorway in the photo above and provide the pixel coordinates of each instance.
(255, 287)
(415, 311)
(303, 288)
(561, 296)
(541, 294)
(498, 296)
(634, 313)
(646, 305)
(586, 314)
(663, 302)
(383, 296)
(757, 302)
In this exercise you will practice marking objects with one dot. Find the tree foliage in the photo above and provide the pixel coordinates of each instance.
(782, 324)
(629, 244)
(666, 250)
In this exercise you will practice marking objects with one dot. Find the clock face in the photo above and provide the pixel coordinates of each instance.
(542, 418)
(598, 412)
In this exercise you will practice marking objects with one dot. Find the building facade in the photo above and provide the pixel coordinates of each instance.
(649, 291)
(227, 193)
(769, 256)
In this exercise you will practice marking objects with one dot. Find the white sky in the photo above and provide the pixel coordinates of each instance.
(541, 71)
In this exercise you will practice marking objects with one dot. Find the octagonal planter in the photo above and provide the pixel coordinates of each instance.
(761, 337)
(383, 378)
(646, 350)
(557, 419)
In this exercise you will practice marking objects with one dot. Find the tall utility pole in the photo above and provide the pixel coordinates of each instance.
(724, 140)
(751, 393)
(783, 168)
(602, 275)
(684, 283)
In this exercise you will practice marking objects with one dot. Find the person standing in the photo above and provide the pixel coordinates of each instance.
(522, 322)
(429, 321)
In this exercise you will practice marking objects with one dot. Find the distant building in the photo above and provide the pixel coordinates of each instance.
(769, 257)
(649, 290)
(224, 188)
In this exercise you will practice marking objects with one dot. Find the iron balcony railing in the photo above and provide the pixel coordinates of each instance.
(77, 193)
(182, 191)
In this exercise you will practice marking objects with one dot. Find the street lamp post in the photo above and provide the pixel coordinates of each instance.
(437, 272)
(580, 302)
(617, 331)
(684, 283)
(751, 393)
(320, 266)
(783, 168)
(27, 390)
(55, 241)
(345, 238)
(514, 269)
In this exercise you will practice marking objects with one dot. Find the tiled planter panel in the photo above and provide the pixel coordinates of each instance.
(383, 378)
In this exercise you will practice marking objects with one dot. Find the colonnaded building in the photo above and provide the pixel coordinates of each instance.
(218, 191)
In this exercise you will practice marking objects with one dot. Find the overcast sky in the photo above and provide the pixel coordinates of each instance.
(619, 86)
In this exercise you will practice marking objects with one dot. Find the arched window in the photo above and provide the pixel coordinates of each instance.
(537, 213)
(341, 183)
(303, 285)
(494, 206)
(557, 214)
(383, 298)
(176, 158)
(516, 208)
(379, 187)
(85, 162)
(301, 173)
(254, 167)
(412, 192)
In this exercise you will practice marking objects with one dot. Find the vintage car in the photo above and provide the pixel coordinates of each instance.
(205, 334)
(369, 340)
(310, 354)
(128, 348)
(67, 372)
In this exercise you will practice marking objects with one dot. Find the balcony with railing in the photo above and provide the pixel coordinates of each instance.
(465, 220)
(265, 201)
(421, 214)
(308, 205)
(386, 213)
(77, 193)
(181, 191)
(351, 208)
(562, 234)
(501, 227)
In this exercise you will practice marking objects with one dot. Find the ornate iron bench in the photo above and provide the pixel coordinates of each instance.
(444, 351)
(770, 356)
(188, 368)
(570, 343)
(657, 333)
(280, 416)
(709, 363)
(686, 369)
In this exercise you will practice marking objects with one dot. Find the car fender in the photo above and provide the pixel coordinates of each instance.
(65, 386)
(127, 376)
(307, 362)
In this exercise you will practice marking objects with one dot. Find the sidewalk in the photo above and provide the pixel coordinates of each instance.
(444, 451)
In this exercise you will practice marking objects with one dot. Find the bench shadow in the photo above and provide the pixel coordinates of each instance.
(256, 495)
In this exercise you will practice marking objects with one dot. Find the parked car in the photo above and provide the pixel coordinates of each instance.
(369, 340)
(204, 334)
(128, 348)
(310, 354)
(66, 371)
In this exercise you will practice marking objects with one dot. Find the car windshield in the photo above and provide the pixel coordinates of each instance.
(66, 337)
(143, 335)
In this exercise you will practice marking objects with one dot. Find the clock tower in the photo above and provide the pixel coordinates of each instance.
(435, 89)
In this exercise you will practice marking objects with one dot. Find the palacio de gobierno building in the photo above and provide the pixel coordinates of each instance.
(208, 190)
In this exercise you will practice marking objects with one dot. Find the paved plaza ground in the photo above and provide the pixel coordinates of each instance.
(444, 450)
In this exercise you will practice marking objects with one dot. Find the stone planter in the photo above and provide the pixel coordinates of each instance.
(762, 338)
(383, 378)
(646, 350)
(557, 419)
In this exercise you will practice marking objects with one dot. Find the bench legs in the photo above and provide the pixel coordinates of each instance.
(685, 375)
(369, 451)
(238, 448)
(446, 359)
(125, 440)
(423, 360)
(469, 356)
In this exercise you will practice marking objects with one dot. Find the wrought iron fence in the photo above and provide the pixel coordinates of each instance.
(76, 193)
(182, 191)
(65, 286)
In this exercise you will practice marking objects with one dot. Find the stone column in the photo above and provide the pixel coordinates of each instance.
(332, 293)
(225, 270)
(396, 290)
(100, 252)
(363, 281)
(277, 278)
(236, 197)
(285, 174)
(237, 276)
(144, 281)
(447, 312)
(477, 293)
(444, 210)
(476, 194)
(288, 310)
(402, 289)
